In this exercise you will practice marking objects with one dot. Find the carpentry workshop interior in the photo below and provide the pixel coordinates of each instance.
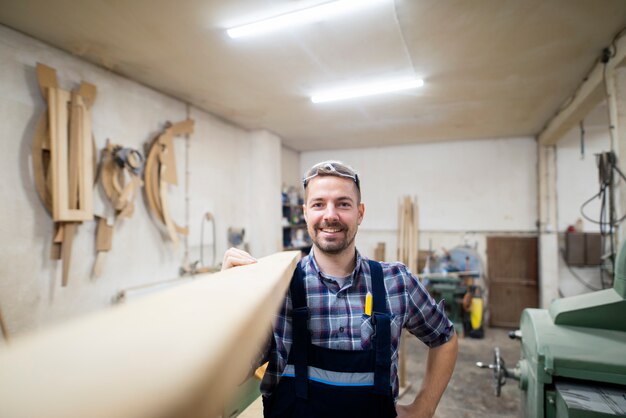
(146, 138)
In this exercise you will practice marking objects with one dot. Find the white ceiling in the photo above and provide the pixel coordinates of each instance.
(492, 68)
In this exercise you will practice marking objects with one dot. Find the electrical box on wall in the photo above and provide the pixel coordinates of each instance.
(583, 249)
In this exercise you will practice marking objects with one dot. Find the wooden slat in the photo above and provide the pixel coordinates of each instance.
(39, 168)
(47, 78)
(185, 127)
(168, 159)
(69, 230)
(169, 223)
(179, 353)
(57, 242)
(64, 164)
(104, 235)
(379, 252)
(74, 149)
(107, 171)
(87, 167)
(88, 92)
(151, 176)
(57, 119)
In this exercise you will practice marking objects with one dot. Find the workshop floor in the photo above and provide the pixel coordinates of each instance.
(470, 393)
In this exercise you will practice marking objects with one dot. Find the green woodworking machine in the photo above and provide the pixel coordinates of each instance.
(573, 355)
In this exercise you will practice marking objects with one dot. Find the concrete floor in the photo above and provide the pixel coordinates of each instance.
(470, 392)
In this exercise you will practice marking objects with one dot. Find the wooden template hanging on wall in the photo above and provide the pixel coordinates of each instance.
(63, 158)
(120, 178)
(160, 171)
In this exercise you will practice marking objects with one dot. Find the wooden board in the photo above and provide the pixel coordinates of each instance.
(47, 78)
(39, 164)
(379, 252)
(104, 235)
(69, 230)
(151, 176)
(88, 92)
(60, 145)
(74, 151)
(168, 159)
(179, 353)
(185, 127)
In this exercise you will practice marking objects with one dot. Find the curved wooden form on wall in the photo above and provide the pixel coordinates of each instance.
(179, 353)
(121, 180)
(160, 170)
(120, 177)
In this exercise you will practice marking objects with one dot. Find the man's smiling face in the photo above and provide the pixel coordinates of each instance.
(333, 213)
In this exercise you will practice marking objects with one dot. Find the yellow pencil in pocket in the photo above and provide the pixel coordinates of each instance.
(368, 304)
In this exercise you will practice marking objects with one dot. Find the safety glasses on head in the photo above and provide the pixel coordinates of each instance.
(331, 168)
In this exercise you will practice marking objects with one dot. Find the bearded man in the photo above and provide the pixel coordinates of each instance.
(333, 351)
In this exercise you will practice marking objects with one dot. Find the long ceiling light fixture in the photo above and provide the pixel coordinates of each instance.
(299, 17)
(367, 90)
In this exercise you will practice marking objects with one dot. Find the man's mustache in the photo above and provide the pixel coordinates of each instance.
(337, 225)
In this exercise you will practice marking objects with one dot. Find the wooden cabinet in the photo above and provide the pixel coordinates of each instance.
(513, 274)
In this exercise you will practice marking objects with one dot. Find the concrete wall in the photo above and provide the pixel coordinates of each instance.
(291, 172)
(224, 164)
(466, 190)
(577, 181)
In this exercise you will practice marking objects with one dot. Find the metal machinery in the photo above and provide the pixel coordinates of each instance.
(445, 280)
(573, 357)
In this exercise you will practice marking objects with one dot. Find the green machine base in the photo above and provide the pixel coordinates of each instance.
(573, 355)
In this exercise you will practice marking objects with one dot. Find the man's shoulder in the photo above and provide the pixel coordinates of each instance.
(307, 260)
(392, 268)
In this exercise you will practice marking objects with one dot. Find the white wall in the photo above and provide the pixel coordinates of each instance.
(466, 190)
(291, 172)
(577, 181)
(264, 192)
(223, 161)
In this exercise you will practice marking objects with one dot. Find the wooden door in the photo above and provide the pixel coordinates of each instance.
(513, 278)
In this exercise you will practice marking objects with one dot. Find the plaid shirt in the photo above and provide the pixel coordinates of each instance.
(337, 319)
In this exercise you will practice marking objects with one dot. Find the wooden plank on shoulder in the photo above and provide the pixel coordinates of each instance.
(178, 353)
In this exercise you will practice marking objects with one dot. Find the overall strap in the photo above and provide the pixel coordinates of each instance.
(382, 321)
(300, 329)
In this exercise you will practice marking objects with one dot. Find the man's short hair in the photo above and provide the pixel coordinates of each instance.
(335, 169)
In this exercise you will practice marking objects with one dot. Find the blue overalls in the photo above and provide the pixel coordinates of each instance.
(326, 383)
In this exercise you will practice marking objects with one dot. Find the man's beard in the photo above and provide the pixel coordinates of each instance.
(335, 246)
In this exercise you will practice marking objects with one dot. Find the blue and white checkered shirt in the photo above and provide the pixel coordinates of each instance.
(337, 318)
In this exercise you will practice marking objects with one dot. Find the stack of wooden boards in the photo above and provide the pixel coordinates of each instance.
(408, 244)
(64, 160)
(408, 232)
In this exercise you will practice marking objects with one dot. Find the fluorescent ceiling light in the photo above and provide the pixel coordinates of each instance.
(299, 17)
(367, 90)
